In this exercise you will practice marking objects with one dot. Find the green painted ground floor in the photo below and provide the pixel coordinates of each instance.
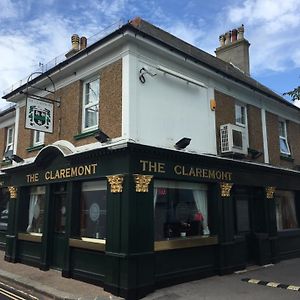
(137, 218)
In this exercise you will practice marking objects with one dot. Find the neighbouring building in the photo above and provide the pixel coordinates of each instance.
(166, 164)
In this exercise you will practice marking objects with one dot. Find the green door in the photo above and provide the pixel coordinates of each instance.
(58, 225)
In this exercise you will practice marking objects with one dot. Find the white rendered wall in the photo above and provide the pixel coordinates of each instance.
(165, 109)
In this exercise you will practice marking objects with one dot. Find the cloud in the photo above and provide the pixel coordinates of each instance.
(272, 27)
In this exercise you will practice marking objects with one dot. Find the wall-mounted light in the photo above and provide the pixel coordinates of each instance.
(101, 136)
(183, 143)
(213, 104)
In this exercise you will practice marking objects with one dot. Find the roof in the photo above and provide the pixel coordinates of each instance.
(147, 30)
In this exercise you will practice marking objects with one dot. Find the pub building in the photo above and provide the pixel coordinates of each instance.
(154, 203)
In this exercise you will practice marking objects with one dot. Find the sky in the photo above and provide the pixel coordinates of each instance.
(34, 32)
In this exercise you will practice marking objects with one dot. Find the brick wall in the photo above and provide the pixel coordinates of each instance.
(293, 130)
(255, 130)
(225, 113)
(68, 117)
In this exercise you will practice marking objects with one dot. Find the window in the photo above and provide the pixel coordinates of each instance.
(240, 115)
(93, 209)
(38, 138)
(180, 210)
(283, 141)
(4, 201)
(90, 105)
(36, 209)
(9, 142)
(285, 210)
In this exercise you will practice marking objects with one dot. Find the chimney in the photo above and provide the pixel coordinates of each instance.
(234, 48)
(77, 45)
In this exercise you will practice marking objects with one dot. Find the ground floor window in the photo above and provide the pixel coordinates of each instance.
(36, 209)
(180, 209)
(93, 209)
(4, 201)
(285, 210)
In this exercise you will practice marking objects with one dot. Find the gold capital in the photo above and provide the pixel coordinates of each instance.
(142, 182)
(270, 190)
(225, 189)
(13, 192)
(116, 183)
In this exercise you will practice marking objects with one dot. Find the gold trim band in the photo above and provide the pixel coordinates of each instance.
(186, 242)
(91, 244)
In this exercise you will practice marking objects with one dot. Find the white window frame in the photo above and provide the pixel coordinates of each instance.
(284, 137)
(240, 107)
(86, 106)
(38, 138)
(10, 143)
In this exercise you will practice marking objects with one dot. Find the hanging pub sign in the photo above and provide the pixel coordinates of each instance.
(39, 115)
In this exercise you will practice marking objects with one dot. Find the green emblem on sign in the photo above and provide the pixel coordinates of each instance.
(40, 117)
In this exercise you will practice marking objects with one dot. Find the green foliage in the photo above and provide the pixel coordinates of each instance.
(294, 94)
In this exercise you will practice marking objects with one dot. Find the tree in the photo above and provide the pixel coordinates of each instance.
(294, 94)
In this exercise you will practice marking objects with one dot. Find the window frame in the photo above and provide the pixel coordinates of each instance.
(284, 137)
(41, 140)
(86, 106)
(9, 143)
(242, 107)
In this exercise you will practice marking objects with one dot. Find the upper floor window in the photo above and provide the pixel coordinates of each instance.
(240, 115)
(38, 138)
(9, 142)
(283, 141)
(91, 97)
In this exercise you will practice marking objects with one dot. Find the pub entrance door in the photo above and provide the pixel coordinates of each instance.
(58, 210)
(244, 222)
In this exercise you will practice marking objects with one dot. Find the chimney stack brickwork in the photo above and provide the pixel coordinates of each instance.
(234, 48)
(78, 44)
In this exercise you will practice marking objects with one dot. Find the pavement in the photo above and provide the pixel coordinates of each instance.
(280, 281)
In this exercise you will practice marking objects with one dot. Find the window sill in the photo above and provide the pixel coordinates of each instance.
(185, 242)
(286, 157)
(289, 232)
(32, 237)
(35, 148)
(88, 243)
(85, 134)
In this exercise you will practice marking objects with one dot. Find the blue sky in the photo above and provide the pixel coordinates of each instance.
(36, 31)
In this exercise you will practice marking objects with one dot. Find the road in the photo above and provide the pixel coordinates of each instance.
(8, 292)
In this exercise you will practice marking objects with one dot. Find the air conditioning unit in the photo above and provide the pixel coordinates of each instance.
(233, 139)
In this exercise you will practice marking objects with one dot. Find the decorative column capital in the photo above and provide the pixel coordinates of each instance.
(116, 183)
(270, 190)
(142, 182)
(13, 192)
(226, 188)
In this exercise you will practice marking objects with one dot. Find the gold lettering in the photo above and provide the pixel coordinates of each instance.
(211, 174)
(62, 173)
(94, 168)
(47, 175)
(177, 170)
(161, 168)
(32, 177)
(80, 170)
(205, 173)
(87, 170)
(74, 172)
(68, 172)
(192, 172)
(184, 173)
(143, 162)
(198, 172)
(218, 175)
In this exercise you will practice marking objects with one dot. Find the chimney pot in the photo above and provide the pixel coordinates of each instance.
(75, 42)
(233, 35)
(241, 31)
(83, 42)
(222, 40)
(227, 37)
